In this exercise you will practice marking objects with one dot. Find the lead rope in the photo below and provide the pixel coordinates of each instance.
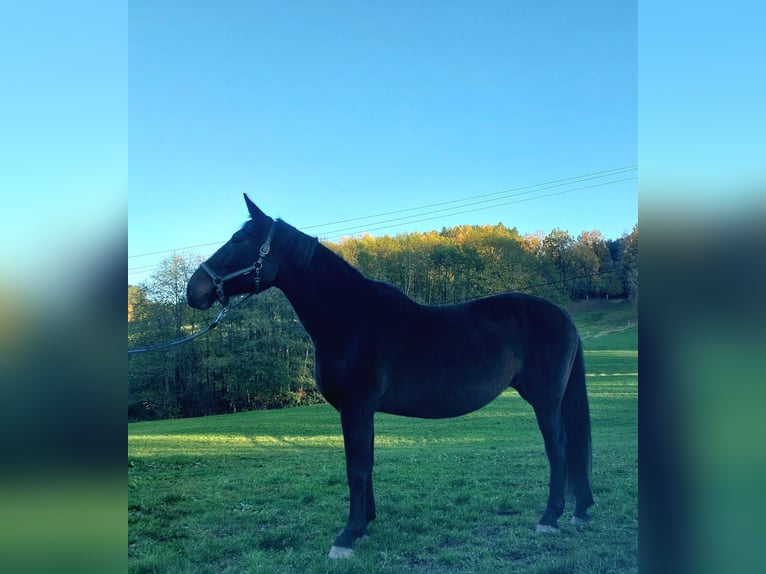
(212, 325)
(218, 284)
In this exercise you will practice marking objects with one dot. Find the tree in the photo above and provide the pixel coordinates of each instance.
(629, 264)
(582, 265)
(163, 383)
(168, 285)
(555, 247)
(260, 356)
(607, 280)
(533, 242)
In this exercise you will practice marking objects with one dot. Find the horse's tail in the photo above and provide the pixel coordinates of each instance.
(576, 417)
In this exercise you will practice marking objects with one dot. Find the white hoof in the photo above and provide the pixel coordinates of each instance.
(337, 552)
(545, 529)
(578, 521)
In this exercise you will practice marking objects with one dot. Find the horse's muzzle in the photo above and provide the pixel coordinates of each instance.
(201, 304)
(200, 291)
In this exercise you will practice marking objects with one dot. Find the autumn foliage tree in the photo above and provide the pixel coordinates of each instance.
(261, 357)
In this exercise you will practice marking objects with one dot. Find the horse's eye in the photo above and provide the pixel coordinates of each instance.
(237, 238)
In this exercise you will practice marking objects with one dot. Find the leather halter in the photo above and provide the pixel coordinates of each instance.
(256, 267)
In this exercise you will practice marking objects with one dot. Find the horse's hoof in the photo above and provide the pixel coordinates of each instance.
(580, 520)
(337, 552)
(546, 529)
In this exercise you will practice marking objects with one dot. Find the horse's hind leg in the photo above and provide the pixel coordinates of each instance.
(583, 498)
(550, 423)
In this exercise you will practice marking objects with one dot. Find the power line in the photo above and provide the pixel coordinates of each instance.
(176, 249)
(408, 219)
(554, 183)
(508, 193)
(564, 281)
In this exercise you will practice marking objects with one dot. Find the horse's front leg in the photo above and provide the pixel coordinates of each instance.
(358, 437)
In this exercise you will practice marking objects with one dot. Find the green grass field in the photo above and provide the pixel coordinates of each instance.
(265, 491)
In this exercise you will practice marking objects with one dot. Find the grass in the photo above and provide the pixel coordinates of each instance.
(266, 491)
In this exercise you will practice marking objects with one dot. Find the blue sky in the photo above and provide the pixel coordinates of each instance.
(325, 111)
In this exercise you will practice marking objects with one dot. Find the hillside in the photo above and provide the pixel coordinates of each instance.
(597, 319)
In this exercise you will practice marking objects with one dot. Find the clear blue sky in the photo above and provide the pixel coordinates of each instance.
(325, 111)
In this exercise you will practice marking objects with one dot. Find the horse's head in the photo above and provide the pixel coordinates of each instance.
(241, 265)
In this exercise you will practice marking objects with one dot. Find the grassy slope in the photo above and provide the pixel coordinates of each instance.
(265, 491)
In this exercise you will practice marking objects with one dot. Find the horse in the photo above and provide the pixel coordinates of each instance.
(377, 350)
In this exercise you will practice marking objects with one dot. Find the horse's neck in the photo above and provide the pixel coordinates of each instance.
(299, 247)
(322, 291)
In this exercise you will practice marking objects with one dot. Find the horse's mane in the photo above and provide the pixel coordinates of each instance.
(324, 265)
(326, 262)
(297, 245)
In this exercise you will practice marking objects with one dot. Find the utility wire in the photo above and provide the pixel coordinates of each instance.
(176, 249)
(554, 183)
(447, 211)
(565, 281)
(541, 187)
(408, 219)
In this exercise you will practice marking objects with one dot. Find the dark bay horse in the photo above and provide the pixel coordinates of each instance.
(379, 351)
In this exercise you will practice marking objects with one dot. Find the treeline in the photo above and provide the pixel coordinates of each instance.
(260, 356)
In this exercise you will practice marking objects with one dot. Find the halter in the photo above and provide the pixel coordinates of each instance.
(256, 267)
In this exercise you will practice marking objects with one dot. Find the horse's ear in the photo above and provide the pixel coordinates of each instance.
(255, 213)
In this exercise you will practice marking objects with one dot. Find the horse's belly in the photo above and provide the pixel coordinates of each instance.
(430, 410)
(431, 399)
(446, 374)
